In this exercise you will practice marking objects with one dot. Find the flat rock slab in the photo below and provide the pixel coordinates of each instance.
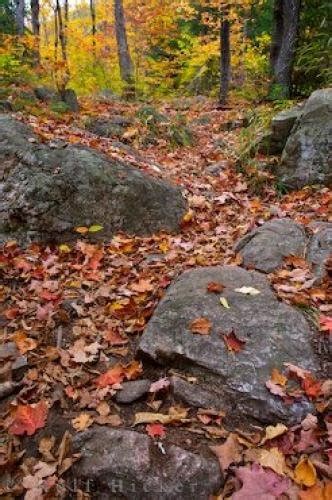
(127, 464)
(266, 247)
(46, 193)
(274, 333)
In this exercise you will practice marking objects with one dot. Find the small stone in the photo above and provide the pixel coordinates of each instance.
(9, 352)
(132, 390)
(216, 168)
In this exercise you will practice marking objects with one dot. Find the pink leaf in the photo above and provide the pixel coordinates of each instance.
(260, 483)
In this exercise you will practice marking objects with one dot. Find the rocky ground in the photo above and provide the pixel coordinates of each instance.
(180, 365)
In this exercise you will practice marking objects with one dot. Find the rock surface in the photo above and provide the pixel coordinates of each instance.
(320, 247)
(307, 155)
(274, 333)
(133, 390)
(127, 464)
(46, 193)
(264, 248)
(114, 126)
(195, 395)
(274, 142)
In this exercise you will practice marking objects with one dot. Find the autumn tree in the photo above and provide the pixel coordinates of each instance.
(125, 62)
(286, 17)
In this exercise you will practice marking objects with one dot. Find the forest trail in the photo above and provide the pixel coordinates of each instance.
(74, 310)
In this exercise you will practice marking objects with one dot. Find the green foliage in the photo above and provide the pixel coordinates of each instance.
(7, 17)
(59, 107)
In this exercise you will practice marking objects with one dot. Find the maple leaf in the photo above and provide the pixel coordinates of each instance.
(278, 378)
(29, 418)
(142, 286)
(305, 473)
(311, 386)
(201, 326)
(272, 432)
(133, 370)
(259, 483)
(229, 452)
(24, 343)
(156, 430)
(272, 459)
(275, 389)
(115, 338)
(233, 343)
(214, 287)
(82, 422)
(114, 375)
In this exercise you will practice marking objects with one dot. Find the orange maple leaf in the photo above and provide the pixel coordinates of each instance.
(155, 430)
(114, 375)
(29, 418)
(202, 326)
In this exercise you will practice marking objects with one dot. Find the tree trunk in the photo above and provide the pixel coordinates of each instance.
(225, 60)
(19, 17)
(93, 23)
(125, 62)
(35, 27)
(286, 16)
(61, 36)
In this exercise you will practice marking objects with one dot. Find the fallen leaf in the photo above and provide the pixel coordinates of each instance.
(247, 290)
(228, 452)
(82, 230)
(272, 432)
(95, 228)
(151, 418)
(142, 286)
(316, 492)
(275, 389)
(214, 287)
(233, 343)
(224, 302)
(156, 430)
(24, 343)
(29, 418)
(325, 323)
(273, 459)
(305, 473)
(160, 384)
(114, 375)
(201, 326)
(115, 338)
(82, 422)
(278, 378)
(258, 483)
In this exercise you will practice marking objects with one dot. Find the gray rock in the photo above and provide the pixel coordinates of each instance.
(19, 363)
(274, 333)
(127, 464)
(264, 248)
(216, 168)
(6, 106)
(195, 395)
(69, 97)
(45, 94)
(114, 126)
(274, 141)
(48, 192)
(307, 155)
(132, 390)
(320, 247)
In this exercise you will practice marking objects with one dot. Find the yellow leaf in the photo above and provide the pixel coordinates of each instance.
(64, 248)
(305, 473)
(272, 432)
(150, 418)
(224, 303)
(82, 422)
(95, 228)
(164, 246)
(273, 459)
(82, 230)
(278, 378)
(188, 216)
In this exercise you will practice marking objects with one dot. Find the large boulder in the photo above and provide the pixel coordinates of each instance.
(320, 247)
(307, 155)
(127, 464)
(46, 193)
(274, 333)
(274, 142)
(266, 247)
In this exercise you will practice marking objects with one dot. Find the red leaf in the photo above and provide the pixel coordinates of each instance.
(233, 343)
(260, 483)
(11, 312)
(214, 287)
(325, 323)
(29, 418)
(311, 386)
(156, 430)
(114, 375)
(114, 338)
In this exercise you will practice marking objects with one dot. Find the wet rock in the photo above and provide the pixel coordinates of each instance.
(48, 192)
(306, 158)
(133, 390)
(264, 248)
(320, 247)
(127, 464)
(274, 333)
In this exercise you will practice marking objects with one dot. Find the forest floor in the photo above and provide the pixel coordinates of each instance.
(95, 301)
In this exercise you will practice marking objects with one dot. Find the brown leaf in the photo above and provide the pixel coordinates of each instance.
(202, 326)
(229, 452)
(214, 287)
